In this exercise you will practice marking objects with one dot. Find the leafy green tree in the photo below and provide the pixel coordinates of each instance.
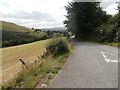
(110, 30)
(84, 17)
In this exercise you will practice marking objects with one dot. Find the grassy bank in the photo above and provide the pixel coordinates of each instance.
(11, 56)
(38, 70)
(112, 44)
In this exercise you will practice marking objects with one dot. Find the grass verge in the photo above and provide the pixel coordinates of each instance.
(38, 71)
(112, 44)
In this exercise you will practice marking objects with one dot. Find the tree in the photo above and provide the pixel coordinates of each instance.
(84, 17)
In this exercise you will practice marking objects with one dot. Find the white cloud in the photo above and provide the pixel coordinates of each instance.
(106, 4)
(112, 9)
(109, 0)
(36, 10)
(37, 13)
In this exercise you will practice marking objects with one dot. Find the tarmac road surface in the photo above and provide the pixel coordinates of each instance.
(91, 65)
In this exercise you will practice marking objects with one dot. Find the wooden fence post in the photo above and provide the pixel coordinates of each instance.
(24, 64)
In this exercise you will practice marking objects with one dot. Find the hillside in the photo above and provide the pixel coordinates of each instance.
(8, 26)
(13, 34)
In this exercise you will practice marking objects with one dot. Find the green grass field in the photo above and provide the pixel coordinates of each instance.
(7, 26)
(11, 55)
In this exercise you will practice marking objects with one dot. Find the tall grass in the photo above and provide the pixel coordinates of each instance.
(29, 78)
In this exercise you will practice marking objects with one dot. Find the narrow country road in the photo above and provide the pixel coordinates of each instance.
(91, 65)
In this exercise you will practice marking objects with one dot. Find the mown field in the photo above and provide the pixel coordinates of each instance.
(11, 55)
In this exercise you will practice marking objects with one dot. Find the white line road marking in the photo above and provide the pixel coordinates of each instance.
(108, 60)
(92, 86)
(83, 87)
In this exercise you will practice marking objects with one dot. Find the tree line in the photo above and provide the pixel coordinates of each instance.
(11, 38)
(88, 21)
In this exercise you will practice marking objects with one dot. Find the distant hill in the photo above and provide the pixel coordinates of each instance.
(62, 29)
(8, 26)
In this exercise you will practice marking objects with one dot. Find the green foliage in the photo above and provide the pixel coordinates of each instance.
(57, 47)
(51, 77)
(11, 38)
(56, 69)
(84, 17)
(110, 31)
(27, 82)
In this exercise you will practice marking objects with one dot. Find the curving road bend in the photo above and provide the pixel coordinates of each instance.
(91, 65)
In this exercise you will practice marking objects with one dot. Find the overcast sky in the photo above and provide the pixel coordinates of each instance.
(41, 13)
